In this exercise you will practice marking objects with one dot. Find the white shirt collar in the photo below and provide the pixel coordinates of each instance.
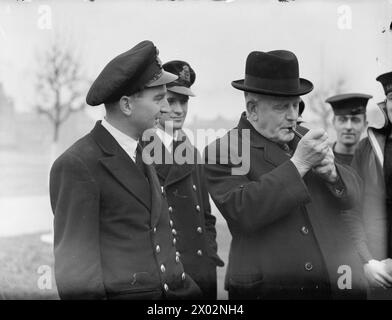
(167, 139)
(126, 142)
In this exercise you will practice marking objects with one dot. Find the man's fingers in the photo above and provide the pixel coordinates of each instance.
(387, 278)
(315, 134)
(326, 170)
(323, 163)
(322, 147)
(381, 281)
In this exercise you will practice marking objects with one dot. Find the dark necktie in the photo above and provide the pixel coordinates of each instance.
(139, 160)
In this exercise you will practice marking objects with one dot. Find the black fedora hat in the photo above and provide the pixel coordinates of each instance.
(273, 73)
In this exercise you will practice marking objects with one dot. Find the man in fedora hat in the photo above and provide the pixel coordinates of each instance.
(349, 122)
(288, 240)
(192, 223)
(373, 162)
(112, 235)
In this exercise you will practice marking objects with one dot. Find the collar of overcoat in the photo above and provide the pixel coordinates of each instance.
(273, 153)
(125, 171)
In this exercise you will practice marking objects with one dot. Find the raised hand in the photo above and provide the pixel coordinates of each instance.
(327, 169)
(377, 275)
(311, 150)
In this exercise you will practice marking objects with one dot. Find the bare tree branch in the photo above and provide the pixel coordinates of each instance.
(40, 110)
(59, 85)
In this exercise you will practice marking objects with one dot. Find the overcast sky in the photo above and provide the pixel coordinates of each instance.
(215, 37)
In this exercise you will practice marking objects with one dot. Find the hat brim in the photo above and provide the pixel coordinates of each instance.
(181, 90)
(165, 78)
(305, 87)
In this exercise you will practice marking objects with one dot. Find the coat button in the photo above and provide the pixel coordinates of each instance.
(171, 223)
(183, 276)
(308, 266)
(304, 230)
(174, 241)
(194, 187)
(177, 259)
(178, 254)
(163, 190)
(174, 232)
(154, 230)
(166, 287)
(163, 269)
(170, 209)
(158, 249)
(199, 230)
(198, 208)
(199, 252)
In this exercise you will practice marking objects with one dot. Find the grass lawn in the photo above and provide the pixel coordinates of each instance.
(22, 256)
(20, 260)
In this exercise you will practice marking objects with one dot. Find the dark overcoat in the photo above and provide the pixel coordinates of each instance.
(193, 224)
(112, 235)
(288, 239)
(373, 240)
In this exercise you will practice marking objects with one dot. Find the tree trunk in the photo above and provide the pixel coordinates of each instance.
(53, 153)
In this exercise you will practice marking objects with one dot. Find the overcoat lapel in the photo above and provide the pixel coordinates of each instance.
(156, 196)
(377, 142)
(122, 168)
(273, 154)
(172, 173)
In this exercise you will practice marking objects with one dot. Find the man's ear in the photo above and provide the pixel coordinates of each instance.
(251, 108)
(126, 105)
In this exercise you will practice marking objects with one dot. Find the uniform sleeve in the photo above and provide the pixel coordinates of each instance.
(75, 203)
(346, 189)
(252, 204)
(209, 217)
(353, 216)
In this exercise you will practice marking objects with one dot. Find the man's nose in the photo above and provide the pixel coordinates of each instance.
(348, 125)
(292, 113)
(176, 107)
(165, 106)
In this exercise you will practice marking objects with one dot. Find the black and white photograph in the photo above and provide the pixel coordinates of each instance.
(215, 151)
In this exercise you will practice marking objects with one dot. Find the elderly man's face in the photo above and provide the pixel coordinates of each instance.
(275, 117)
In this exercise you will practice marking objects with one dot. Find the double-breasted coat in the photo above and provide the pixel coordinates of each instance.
(112, 234)
(288, 239)
(193, 225)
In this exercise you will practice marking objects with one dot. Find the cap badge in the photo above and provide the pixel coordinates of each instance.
(185, 74)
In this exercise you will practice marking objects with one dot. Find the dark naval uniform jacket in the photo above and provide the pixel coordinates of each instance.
(193, 225)
(112, 234)
(288, 238)
(375, 239)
